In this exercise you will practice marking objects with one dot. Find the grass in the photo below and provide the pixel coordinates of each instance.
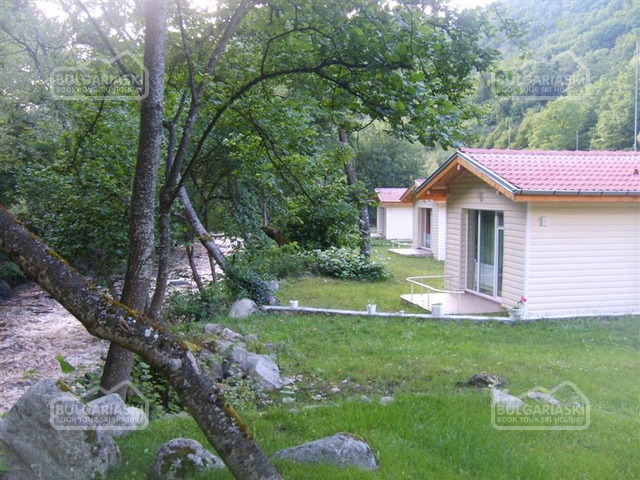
(334, 293)
(434, 429)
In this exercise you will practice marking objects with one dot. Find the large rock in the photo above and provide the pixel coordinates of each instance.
(182, 458)
(222, 332)
(265, 370)
(499, 397)
(340, 450)
(243, 308)
(50, 435)
(112, 414)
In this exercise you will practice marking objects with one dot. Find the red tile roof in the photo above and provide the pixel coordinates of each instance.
(390, 195)
(530, 171)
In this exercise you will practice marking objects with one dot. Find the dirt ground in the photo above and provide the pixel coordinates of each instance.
(34, 328)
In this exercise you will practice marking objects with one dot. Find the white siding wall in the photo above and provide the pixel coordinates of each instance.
(470, 193)
(586, 260)
(398, 222)
(440, 241)
(438, 227)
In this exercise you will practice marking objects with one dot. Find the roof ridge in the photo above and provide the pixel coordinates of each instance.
(549, 152)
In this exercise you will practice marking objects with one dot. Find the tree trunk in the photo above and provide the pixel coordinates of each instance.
(364, 225)
(205, 238)
(194, 267)
(106, 318)
(135, 291)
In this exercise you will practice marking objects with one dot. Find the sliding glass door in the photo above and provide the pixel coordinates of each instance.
(485, 241)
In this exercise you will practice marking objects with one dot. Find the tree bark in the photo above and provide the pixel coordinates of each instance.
(171, 187)
(106, 318)
(205, 238)
(194, 268)
(135, 291)
(364, 225)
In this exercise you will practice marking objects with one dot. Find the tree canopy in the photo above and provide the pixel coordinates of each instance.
(567, 83)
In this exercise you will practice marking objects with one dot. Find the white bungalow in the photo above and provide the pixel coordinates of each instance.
(561, 229)
(395, 216)
(429, 221)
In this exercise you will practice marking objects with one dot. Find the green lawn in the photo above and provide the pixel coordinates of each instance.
(434, 429)
(344, 294)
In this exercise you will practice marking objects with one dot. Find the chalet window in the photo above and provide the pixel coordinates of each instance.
(426, 227)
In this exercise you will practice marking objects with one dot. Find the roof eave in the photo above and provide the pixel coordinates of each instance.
(526, 195)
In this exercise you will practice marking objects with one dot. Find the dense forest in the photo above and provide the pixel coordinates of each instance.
(566, 82)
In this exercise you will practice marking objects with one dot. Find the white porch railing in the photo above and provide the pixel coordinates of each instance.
(427, 290)
(401, 244)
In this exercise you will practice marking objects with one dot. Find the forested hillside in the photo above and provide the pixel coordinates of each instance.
(568, 81)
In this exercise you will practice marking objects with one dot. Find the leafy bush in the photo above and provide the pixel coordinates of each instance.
(198, 306)
(9, 271)
(155, 390)
(346, 264)
(244, 283)
(275, 262)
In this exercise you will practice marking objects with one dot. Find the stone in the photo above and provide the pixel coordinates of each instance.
(243, 308)
(222, 332)
(543, 397)
(112, 414)
(182, 458)
(484, 380)
(250, 338)
(499, 397)
(213, 328)
(265, 370)
(340, 450)
(5, 290)
(37, 446)
(386, 400)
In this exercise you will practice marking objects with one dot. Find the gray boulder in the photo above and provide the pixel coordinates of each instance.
(111, 414)
(386, 400)
(502, 398)
(222, 332)
(543, 397)
(243, 308)
(265, 370)
(49, 434)
(340, 450)
(5, 290)
(182, 458)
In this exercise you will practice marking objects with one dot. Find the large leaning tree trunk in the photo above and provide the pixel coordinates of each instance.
(108, 319)
(364, 225)
(135, 292)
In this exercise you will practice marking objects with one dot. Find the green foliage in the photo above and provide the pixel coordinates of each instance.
(198, 306)
(275, 262)
(386, 161)
(9, 270)
(583, 54)
(346, 264)
(65, 366)
(244, 283)
(155, 390)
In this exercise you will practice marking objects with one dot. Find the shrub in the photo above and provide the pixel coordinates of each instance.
(274, 262)
(198, 306)
(244, 283)
(346, 264)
